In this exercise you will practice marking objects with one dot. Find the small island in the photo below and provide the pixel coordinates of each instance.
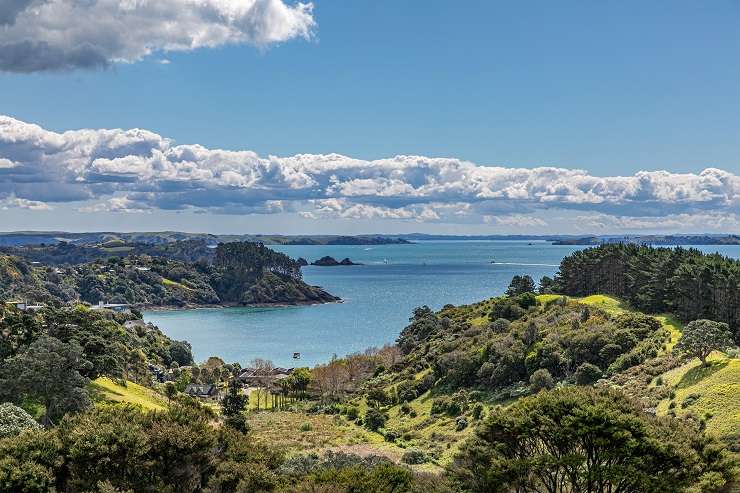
(328, 261)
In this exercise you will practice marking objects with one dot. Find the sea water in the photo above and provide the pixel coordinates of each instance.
(378, 298)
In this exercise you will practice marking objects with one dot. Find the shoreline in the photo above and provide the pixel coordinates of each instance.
(172, 308)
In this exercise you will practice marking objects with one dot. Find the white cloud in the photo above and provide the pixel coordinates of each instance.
(12, 202)
(38, 35)
(136, 169)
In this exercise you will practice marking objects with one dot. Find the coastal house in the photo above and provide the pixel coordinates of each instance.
(24, 306)
(202, 391)
(116, 307)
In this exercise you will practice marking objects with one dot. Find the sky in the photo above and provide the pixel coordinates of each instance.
(347, 117)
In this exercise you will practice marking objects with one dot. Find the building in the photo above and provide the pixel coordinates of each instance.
(22, 305)
(116, 307)
(202, 391)
(254, 377)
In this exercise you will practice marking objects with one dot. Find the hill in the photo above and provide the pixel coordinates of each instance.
(237, 274)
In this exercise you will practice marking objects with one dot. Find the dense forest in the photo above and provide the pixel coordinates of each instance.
(234, 273)
(686, 282)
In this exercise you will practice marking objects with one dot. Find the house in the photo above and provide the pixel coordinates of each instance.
(22, 305)
(116, 307)
(261, 378)
(202, 391)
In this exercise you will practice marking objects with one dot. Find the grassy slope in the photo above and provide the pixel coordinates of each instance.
(106, 389)
(718, 386)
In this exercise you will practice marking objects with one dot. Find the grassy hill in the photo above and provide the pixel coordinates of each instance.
(416, 425)
(104, 389)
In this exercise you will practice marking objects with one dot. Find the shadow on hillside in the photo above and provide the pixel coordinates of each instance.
(699, 373)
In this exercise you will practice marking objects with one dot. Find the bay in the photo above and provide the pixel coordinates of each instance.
(378, 298)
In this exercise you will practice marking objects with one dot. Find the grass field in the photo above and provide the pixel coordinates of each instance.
(105, 389)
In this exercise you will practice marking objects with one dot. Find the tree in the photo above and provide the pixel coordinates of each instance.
(47, 371)
(547, 285)
(234, 401)
(13, 420)
(701, 337)
(170, 390)
(520, 285)
(573, 440)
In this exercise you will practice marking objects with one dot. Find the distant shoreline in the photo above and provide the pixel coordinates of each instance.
(173, 308)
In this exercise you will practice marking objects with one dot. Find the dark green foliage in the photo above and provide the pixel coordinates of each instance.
(701, 337)
(375, 419)
(520, 285)
(577, 435)
(687, 282)
(241, 272)
(235, 401)
(587, 373)
(423, 324)
(414, 456)
(47, 371)
(541, 380)
(546, 285)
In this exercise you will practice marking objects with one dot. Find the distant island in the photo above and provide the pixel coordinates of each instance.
(21, 238)
(237, 273)
(328, 261)
(664, 240)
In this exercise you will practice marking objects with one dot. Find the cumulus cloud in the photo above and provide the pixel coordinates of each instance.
(138, 170)
(41, 35)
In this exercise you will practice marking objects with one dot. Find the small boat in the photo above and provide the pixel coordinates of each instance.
(385, 260)
(493, 261)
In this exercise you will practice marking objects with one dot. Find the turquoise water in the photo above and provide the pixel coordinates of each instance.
(378, 298)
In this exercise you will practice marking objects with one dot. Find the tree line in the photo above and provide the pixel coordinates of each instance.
(691, 284)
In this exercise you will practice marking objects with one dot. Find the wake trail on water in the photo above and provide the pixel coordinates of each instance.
(534, 265)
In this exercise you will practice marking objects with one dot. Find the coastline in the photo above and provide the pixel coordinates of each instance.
(173, 308)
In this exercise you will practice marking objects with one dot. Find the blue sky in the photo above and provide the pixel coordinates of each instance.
(612, 88)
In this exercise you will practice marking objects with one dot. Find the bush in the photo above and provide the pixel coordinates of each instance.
(391, 435)
(237, 422)
(477, 411)
(414, 456)
(461, 423)
(500, 325)
(405, 408)
(587, 374)
(14, 420)
(352, 413)
(375, 419)
(689, 400)
(541, 380)
(305, 426)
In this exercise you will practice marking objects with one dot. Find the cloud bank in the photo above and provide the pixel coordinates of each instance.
(52, 35)
(138, 171)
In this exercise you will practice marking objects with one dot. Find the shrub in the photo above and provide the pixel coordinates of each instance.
(237, 422)
(13, 420)
(405, 408)
(414, 456)
(689, 400)
(391, 435)
(541, 380)
(352, 413)
(375, 419)
(305, 426)
(477, 411)
(587, 373)
(461, 423)
(500, 325)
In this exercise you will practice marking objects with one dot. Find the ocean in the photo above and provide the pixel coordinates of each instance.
(378, 298)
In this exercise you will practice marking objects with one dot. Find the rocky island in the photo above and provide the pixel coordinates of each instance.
(328, 261)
